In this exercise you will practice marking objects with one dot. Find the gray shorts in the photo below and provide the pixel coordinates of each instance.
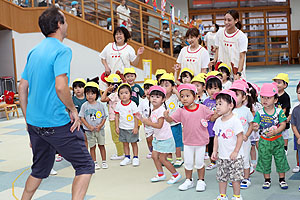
(128, 136)
(230, 170)
(95, 137)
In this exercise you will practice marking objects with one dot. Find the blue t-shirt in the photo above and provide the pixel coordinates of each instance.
(47, 60)
(211, 104)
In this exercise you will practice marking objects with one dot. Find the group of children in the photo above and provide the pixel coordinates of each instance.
(206, 116)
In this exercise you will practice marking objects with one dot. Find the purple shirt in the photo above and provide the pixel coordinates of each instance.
(211, 104)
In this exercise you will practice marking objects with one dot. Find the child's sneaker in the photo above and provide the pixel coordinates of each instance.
(299, 188)
(237, 198)
(125, 161)
(59, 158)
(266, 185)
(186, 185)
(149, 155)
(201, 186)
(222, 197)
(211, 166)
(252, 169)
(135, 162)
(158, 178)
(53, 172)
(283, 185)
(174, 180)
(206, 157)
(296, 169)
(178, 162)
(104, 165)
(97, 166)
(116, 157)
(245, 183)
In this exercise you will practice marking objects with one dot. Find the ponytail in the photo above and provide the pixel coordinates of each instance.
(239, 25)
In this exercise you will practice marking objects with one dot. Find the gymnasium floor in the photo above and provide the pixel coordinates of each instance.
(122, 183)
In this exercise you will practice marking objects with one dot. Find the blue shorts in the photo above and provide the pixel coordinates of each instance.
(295, 143)
(177, 134)
(46, 141)
(164, 146)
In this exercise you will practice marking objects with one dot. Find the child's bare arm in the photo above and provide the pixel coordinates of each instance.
(157, 125)
(104, 97)
(167, 116)
(136, 125)
(281, 128)
(250, 129)
(117, 123)
(215, 149)
(91, 128)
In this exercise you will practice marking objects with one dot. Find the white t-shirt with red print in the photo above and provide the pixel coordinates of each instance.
(194, 60)
(126, 112)
(227, 132)
(118, 57)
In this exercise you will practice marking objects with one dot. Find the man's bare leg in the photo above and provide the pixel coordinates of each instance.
(31, 186)
(80, 186)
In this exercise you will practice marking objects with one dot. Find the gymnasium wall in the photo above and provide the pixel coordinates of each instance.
(295, 16)
(6, 54)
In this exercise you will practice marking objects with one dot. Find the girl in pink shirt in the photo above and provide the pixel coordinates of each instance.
(163, 141)
(195, 135)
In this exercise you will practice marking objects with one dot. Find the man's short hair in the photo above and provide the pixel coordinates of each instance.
(49, 19)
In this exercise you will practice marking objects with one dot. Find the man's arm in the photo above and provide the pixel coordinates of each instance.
(63, 93)
(23, 95)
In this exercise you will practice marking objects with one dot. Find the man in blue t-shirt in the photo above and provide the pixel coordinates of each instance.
(45, 98)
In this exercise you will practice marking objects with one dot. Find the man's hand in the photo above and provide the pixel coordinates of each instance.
(75, 120)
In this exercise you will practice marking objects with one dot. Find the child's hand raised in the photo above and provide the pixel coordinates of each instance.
(176, 67)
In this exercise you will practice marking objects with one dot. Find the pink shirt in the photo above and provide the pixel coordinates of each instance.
(114, 99)
(165, 132)
(194, 124)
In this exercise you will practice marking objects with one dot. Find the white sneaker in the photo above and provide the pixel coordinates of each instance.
(149, 155)
(59, 158)
(125, 161)
(116, 157)
(245, 183)
(158, 178)
(222, 197)
(97, 166)
(201, 186)
(206, 157)
(53, 172)
(186, 185)
(135, 162)
(296, 169)
(211, 166)
(174, 180)
(104, 165)
(252, 169)
(286, 152)
(237, 198)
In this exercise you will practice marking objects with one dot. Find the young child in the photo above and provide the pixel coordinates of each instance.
(226, 83)
(75, 9)
(254, 137)
(127, 124)
(296, 125)
(157, 46)
(228, 145)
(296, 169)
(215, 73)
(271, 121)
(163, 141)
(137, 91)
(177, 41)
(167, 81)
(284, 103)
(110, 95)
(185, 76)
(165, 35)
(195, 135)
(194, 56)
(199, 82)
(159, 73)
(144, 109)
(245, 115)
(213, 85)
(93, 117)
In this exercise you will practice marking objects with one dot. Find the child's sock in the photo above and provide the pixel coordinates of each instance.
(179, 158)
(268, 180)
(285, 148)
(103, 161)
(297, 163)
(175, 174)
(169, 159)
(160, 174)
(135, 157)
(253, 162)
(127, 156)
(237, 196)
(281, 179)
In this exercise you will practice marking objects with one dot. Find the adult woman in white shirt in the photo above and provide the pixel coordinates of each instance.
(231, 45)
(123, 13)
(209, 40)
(118, 55)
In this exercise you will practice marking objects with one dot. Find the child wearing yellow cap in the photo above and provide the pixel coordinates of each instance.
(199, 82)
(284, 102)
(225, 70)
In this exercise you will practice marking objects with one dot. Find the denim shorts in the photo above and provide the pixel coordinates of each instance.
(46, 141)
(177, 134)
(164, 146)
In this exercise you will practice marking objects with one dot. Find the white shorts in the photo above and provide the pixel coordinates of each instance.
(285, 134)
(148, 134)
(247, 149)
(254, 137)
(191, 152)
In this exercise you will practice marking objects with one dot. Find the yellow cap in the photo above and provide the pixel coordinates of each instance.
(122, 85)
(79, 80)
(202, 75)
(198, 79)
(91, 84)
(224, 65)
(167, 76)
(160, 71)
(130, 70)
(150, 82)
(186, 70)
(282, 76)
(214, 73)
(113, 78)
